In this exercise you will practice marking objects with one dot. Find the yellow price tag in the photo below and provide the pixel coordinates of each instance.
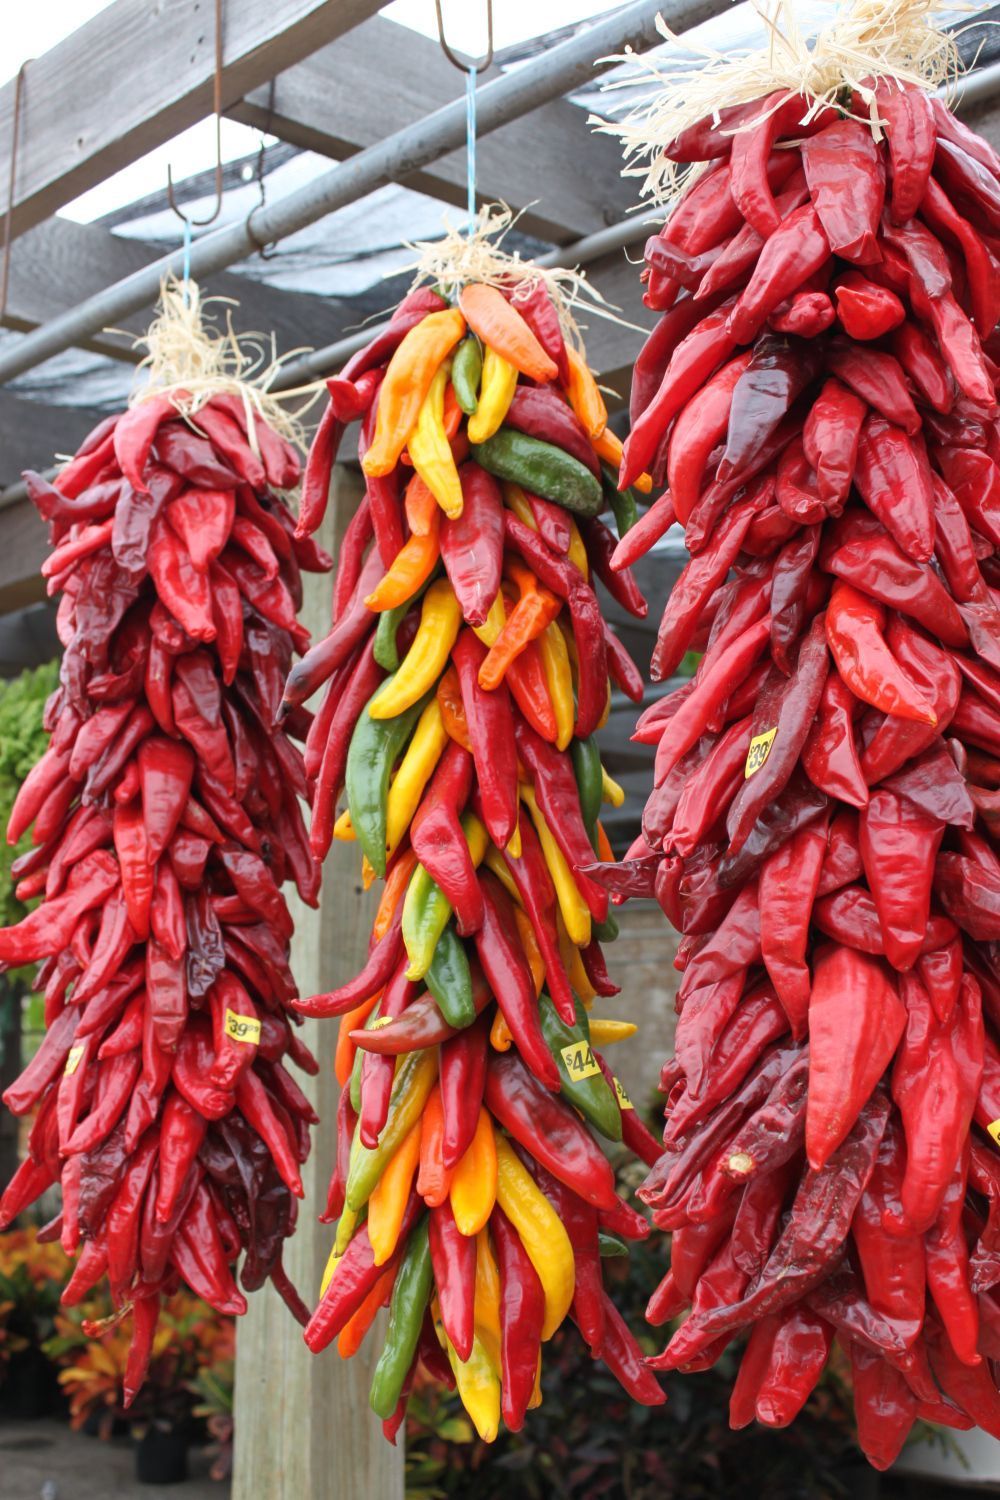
(242, 1028)
(579, 1060)
(75, 1057)
(994, 1129)
(624, 1102)
(760, 749)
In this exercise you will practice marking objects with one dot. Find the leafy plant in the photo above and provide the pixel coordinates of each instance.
(214, 1385)
(32, 1276)
(22, 742)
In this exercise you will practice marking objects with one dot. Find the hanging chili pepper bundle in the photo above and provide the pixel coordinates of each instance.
(164, 819)
(467, 669)
(819, 395)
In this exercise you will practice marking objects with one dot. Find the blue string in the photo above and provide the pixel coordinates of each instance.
(186, 268)
(471, 77)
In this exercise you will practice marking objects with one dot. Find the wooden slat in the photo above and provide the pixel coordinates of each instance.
(136, 75)
(59, 263)
(381, 77)
(303, 1423)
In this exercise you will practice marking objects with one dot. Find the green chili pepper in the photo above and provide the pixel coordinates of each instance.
(376, 745)
(541, 468)
(449, 980)
(610, 1245)
(588, 1091)
(466, 373)
(410, 1295)
(414, 1080)
(359, 1057)
(606, 931)
(621, 502)
(389, 621)
(426, 910)
(589, 783)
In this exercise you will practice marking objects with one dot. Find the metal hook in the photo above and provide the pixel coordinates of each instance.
(456, 62)
(8, 222)
(217, 110)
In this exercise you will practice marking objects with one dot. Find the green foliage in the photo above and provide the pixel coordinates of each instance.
(22, 744)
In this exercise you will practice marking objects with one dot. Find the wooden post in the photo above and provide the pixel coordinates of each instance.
(303, 1423)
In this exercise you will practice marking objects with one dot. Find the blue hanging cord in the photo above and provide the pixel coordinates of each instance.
(471, 78)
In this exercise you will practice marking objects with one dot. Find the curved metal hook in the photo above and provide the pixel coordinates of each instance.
(217, 110)
(456, 62)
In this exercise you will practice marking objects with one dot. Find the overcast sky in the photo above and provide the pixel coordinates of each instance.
(29, 30)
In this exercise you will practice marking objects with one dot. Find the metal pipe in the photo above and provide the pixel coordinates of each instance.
(516, 93)
(320, 362)
(973, 89)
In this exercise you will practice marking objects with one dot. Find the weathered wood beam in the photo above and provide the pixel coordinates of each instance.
(382, 76)
(59, 263)
(136, 75)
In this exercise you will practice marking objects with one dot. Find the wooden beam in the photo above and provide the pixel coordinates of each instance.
(381, 77)
(59, 263)
(136, 75)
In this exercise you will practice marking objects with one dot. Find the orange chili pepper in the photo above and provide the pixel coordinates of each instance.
(584, 397)
(395, 889)
(532, 952)
(407, 381)
(531, 615)
(389, 1198)
(351, 1336)
(474, 1184)
(420, 505)
(491, 316)
(604, 849)
(449, 697)
(433, 1178)
(500, 1037)
(353, 1020)
(452, 412)
(413, 565)
(609, 446)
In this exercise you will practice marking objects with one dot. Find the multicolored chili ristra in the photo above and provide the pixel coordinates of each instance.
(466, 675)
(163, 821)
(820, 396)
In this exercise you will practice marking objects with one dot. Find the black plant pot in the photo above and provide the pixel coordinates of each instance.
(30, 1390)
(161, 1455)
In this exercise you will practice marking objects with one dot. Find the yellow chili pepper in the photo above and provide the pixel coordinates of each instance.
(494, 622)
(515, 500)
(390, 1195)
(496, 392)
(408, 378)
(487, 1303)
(611, 792)
(415, 770)
(584, 397)
(577, 552)
(343, 829)
(500, 1037)
(542, 1234)
(559, 677)
(332, 1262)
(346, 1225)
(413, 565)
(605, 1032)
(440, 621)
(478, 1388)
(609, 447)
(368, 875)
(573, 964)
(430, 449)
(607, 708)
(474, 1182)
(532, 952)
(575, 911)
(495, 861)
